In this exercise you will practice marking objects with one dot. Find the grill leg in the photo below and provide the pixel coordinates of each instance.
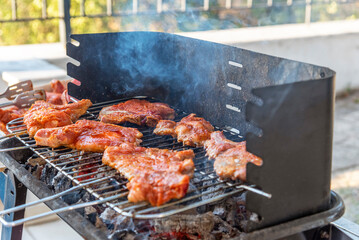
(12, 193)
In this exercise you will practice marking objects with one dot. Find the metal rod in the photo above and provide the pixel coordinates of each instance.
(44, 8)
(228, 4)
(60, 210)
(308, 11)
(14, 9)
(23, 206)
(134, 6)
(183, 5)
(109, 7)
(205, 5)
(82, 8)
(17, 148)
(159, 6)
(13, 134)
(64, 23)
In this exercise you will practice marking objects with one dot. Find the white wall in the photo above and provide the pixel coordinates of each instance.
(330, 44)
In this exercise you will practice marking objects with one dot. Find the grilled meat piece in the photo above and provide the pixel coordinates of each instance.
(8, 114)
(231, 158)
(87, 135)
(55, 97)
(47, 115)
(155, 175)
(140, 112)
(191, 130)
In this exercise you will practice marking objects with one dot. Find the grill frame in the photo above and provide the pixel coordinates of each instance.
(12, 160)
(204, 174)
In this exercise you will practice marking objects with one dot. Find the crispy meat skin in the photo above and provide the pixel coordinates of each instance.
(231, 158)
(87, 135)
(47, 115)
(140, 112)
(156, 175)
(191, 130)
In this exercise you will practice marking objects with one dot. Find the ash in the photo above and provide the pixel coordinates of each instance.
(221, 220)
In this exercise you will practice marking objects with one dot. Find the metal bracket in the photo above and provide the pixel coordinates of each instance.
(12, 193)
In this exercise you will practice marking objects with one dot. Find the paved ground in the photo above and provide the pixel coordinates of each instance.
(345, 177)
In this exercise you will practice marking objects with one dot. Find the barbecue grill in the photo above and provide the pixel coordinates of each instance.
(282, 108)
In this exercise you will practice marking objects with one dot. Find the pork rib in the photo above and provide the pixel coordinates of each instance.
(87, 135)
(155, 175)
(140, 112)
(231, 158)
(46, 115)
(191, 130)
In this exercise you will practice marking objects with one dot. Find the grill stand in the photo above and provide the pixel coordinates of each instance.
(73, 218)
(12, 194)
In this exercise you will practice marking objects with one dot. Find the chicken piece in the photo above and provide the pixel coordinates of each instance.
(155, 175)
(87, 135)
(191, 130)
(47, 115)
(140, 112)
(8, 114)
(231, 158)
(54, 97)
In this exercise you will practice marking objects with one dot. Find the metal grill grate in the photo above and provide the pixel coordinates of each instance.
(106, 185)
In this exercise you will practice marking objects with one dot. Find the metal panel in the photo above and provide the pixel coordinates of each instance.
(216, 82)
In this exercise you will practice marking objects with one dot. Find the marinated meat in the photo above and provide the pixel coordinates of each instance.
(47, 115)
(231, 158)
(155, 175)
(191, 130)
(140, 112)
(55, 97)
(87, 135)
(8, 114)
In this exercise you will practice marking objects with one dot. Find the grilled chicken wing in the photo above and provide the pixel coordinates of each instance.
(87, 135)
(155, 175)
(140, 112)
(191, 130)
(231, 158)
(47, 115)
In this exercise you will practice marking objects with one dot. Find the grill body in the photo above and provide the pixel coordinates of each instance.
(283, 108)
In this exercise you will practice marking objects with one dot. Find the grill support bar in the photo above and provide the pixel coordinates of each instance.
(13, 193)
(40, 189)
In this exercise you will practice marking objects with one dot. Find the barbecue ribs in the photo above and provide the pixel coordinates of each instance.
(87, 135)
(191, 130)
(140, 112)
(156, 175)
(231, 158)
(47, 115)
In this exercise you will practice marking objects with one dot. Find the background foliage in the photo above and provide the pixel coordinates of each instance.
(48, 31)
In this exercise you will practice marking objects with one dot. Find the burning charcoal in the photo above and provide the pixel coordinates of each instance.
(223, 230)
(72, 197)
(61, 182)
(48, 173)
(34, 161)
(201, 224)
